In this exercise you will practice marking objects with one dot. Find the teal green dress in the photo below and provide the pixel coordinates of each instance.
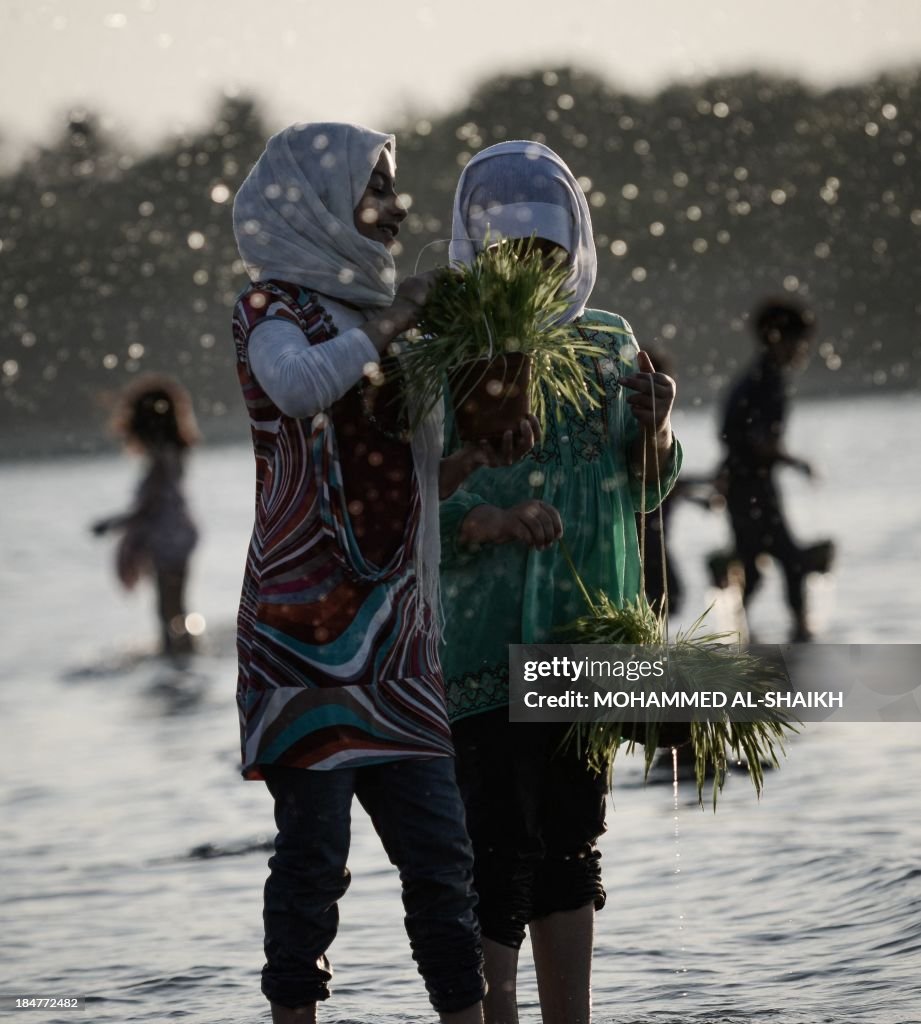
(510, 593)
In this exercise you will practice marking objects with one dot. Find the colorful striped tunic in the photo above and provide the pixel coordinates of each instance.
(334, 667)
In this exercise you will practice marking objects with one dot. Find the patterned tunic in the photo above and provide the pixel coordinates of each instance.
(335, 665)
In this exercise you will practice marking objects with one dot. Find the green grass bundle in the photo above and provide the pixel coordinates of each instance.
(634, 623)
(697, 661)
(508, 300)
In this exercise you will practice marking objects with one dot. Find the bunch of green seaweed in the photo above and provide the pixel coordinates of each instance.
(697, 661)
(509, 299)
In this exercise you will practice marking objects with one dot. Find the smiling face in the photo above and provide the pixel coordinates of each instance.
(379, 212)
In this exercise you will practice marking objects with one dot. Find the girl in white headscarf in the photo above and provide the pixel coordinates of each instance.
(535, 816)
(340, 691)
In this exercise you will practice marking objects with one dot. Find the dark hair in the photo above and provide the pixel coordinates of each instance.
(777, 320)
(153, 411)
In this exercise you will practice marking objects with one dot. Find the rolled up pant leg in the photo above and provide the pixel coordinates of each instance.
(572, 820)
(501, 769)
(308, 876)
(417, 811)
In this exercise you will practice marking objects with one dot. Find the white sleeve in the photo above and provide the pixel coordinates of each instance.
(303, 379)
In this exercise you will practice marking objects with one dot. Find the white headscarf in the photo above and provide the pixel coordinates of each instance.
(293, 216)
(293, 219)
(516, 189)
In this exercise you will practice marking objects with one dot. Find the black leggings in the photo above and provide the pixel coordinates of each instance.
(534, 816)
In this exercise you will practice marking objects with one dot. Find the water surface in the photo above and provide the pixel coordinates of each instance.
(134, 856)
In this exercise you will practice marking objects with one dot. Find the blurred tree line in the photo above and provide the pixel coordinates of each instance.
(703, 197)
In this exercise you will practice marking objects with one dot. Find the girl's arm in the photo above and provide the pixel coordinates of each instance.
(164, 464)
(302, 379)
(119, 522)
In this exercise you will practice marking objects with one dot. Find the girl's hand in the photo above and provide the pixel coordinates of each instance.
(653, 395)
(455, 468)
(530, 522)
(513, 447)
(404, 312)
(414, 291)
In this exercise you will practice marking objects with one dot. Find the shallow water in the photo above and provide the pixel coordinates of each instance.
(134, 856)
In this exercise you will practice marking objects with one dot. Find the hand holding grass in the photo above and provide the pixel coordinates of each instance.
(532, 522)
(455, 468)
(653, 395)
(405, 311)
(651, 401)
(515, 445)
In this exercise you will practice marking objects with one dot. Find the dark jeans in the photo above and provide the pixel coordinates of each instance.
(534, 817)
(418, 814)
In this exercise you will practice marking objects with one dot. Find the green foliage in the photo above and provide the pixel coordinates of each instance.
(697, 661)
(757, 184)
(123, 263)
(636, 622)
(507, 300)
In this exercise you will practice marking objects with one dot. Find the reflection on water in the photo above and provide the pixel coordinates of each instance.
(134, 856)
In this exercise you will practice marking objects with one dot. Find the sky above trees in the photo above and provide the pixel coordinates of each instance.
(154, 67)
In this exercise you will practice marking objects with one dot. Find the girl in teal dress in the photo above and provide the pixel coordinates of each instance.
(535, 814)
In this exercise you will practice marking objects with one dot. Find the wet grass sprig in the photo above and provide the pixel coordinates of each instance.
(697, 661)
(508, 300)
